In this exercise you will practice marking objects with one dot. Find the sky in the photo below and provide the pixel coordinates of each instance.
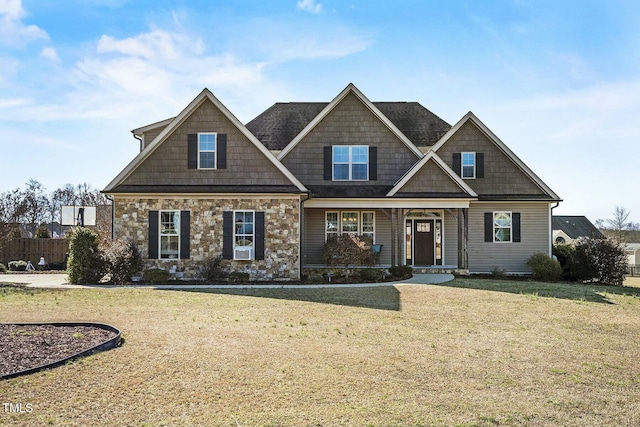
(557, 81)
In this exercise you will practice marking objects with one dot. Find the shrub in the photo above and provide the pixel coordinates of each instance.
(602, 260)
(544, 268)
(371, 275)
(123, 260)
(18, 265)
(347, 250)
(156, 275)
(498, 272)
(43, 232)
(238, 277)
(3, 268)
(401, 271)
(86, 264)
(212, 269)
(564, 252)
(56, 265)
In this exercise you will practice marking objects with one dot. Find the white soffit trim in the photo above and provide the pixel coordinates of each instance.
(351, 88)
(416, 167)
(494, 138)
(387, 203)
(179, 119)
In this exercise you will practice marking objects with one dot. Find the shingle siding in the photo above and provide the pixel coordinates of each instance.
(167, 165)
(501, 175)
(349, 123)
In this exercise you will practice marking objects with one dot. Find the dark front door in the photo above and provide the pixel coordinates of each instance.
(423, 243)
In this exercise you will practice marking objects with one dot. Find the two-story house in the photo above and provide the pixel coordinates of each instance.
(267, 195)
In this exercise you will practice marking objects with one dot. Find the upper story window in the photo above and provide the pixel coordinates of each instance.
(350, 163)
(468, 165)
(207, 151)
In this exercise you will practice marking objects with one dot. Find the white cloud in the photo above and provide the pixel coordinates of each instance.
(13, 32)
(309, 6)
(50, 54)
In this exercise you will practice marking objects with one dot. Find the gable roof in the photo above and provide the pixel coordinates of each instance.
(470, 117)
(350, 89)
(431, 156)
(178, 120)
(277, 126)
(576, 226)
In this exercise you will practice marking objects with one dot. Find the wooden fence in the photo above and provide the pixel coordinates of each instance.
(634, 270)
(53, 250)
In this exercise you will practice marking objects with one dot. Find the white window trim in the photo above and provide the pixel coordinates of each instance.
(340, 232)
(350, 162)
(215, 152)
(253, 234)
(462, 165)
(326, 229)
(161, 234)
(373, 225)
(495, 227)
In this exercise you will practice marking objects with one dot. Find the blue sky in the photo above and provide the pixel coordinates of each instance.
(557, 81)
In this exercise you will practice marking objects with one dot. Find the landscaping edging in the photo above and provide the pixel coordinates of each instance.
(106, 345)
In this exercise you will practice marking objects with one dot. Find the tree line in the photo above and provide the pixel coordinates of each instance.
(32, 209)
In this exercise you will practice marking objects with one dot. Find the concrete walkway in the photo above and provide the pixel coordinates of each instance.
(60, 281)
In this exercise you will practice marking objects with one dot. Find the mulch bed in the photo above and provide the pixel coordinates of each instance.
(28, 346)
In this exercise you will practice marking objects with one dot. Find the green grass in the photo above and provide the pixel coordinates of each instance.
(472, 352)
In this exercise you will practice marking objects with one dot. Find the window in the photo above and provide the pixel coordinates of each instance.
(350, 222)
(170, 234)
(350, 163)
(502, 226)
(331, 225)
(468, 165)
(243, 235)
(206, 151)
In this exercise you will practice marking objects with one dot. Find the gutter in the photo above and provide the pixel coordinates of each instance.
(139, 139)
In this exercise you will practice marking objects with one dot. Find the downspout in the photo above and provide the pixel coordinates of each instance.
(301, 230)
(551, 228)
(139, 139)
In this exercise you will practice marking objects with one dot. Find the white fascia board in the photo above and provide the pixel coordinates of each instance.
(388, 203)
(493, 137)
(207, 196)
(179, 119)
(143, 129)
(351, 88)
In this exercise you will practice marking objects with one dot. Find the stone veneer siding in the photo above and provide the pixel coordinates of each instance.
(281, 226)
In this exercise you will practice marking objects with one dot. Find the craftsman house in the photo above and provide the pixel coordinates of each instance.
(267, 195)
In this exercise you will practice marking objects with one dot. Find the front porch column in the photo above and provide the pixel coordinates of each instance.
(397, 236)
(463, 238)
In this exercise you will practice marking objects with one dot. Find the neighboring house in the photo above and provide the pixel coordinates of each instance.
(633, 253)
(266, 196)
(567, 228)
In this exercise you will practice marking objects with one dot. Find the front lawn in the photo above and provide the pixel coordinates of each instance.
(472, 352)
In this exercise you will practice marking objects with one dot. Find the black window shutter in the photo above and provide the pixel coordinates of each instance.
(227, 235)
(515, 225)
(328, 163)
(488, 226)
(185, 236)
(154, 234)
(222, 151)
(479, 165)
(259, 243)
(457, 163)
(192, 155)
(373, 163)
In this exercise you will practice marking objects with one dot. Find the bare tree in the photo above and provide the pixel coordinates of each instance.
(619, 225)
(37, 206)
(12, 210)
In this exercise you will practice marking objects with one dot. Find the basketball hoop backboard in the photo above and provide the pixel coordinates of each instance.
(78, 215)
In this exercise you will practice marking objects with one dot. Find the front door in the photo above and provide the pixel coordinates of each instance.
(423, 253)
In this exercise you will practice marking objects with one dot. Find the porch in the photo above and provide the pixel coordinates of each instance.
(432, 239)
